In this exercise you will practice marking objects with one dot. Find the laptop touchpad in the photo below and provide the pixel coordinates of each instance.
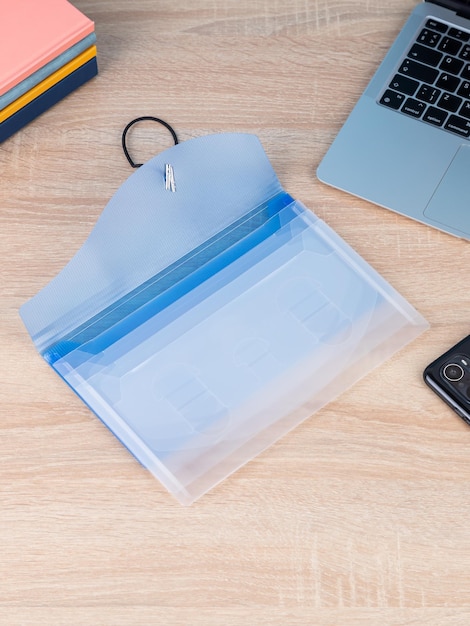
(449, 204)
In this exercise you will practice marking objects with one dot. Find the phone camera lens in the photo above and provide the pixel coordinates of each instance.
(453, 372)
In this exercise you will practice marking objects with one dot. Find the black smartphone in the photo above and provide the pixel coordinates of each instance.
(449, 377)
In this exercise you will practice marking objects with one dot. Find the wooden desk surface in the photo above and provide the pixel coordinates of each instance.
(359, 516)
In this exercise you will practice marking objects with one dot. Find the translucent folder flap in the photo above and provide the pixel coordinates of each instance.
(145, 228)
(232, 334)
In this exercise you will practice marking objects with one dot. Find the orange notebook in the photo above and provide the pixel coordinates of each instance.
(33, 32)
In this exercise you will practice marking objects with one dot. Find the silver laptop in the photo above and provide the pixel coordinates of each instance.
(406, 144)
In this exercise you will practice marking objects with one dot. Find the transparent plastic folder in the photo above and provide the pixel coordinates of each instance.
(203, 324)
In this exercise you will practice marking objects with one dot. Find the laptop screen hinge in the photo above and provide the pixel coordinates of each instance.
(461, 8)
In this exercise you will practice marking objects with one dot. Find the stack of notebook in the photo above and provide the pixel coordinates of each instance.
(47, 49)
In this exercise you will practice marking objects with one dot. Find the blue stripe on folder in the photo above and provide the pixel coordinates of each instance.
(165, 288)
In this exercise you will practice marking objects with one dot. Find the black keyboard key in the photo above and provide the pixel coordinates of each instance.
(458, 125)
(419, 71)
(429, 94)
(404, 84)
(464, 89)
(465, 53)
(428, 38)
(413, 107)
(459, 34)
(448, 102)
(435, 116)
(449, 45)
(425, 55)
(448, 82)
(465, 110)
(433, 81)
(435, 25)
(451, 65)
(392, 99)
(466, 72)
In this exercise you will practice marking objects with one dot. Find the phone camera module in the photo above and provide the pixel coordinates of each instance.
(453, 372)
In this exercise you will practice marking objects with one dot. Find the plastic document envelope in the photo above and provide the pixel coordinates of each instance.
(202, 325)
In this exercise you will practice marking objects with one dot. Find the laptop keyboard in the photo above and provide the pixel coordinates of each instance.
(433, 80)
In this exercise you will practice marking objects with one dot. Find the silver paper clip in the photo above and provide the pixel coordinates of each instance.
(169, 178)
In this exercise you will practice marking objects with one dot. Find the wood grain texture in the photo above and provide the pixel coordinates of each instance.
(360, 515)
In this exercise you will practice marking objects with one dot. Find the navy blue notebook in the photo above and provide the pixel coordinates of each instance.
(47, 99)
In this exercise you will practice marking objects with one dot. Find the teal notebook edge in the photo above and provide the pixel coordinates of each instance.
(44, 72)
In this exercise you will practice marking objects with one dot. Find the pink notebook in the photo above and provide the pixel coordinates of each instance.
(33, 32)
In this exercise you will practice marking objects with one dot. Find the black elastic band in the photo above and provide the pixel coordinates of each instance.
(142, 119)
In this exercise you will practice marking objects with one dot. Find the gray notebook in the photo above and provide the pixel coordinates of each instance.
(46, 70)
(406, 144)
